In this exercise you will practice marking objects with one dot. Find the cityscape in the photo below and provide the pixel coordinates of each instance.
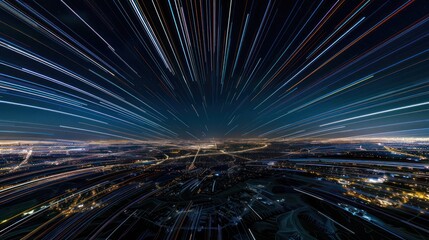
(252, 189)
(216, 119)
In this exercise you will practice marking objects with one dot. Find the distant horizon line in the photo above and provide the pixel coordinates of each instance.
(322, 140)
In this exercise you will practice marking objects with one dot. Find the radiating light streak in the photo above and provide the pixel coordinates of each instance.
(228, 42)
(359, 38)
(195, 110)
(337, 29)
(253, 210)
(151, 34)
(67, 72)
(92, 29)
(98, 132)
(377, 113)
(320, 54)
(332, 93)
(50, 110)
(50, 33)
(217, 62)
(26, 132)
(339, 224)
(174, 115)
(309, 194)
(243, 35)
(285, 50)
(251, 234)
(139, 118)
(190, 134)
(231, 130)
(167, 36)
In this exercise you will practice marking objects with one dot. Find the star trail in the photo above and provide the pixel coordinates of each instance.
(176, 69)
(214, 119)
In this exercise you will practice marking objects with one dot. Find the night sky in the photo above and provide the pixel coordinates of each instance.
(158, 69)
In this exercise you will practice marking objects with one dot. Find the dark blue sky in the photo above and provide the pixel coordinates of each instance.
(224, 69)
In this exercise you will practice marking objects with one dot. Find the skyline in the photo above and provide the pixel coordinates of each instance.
(142, 70)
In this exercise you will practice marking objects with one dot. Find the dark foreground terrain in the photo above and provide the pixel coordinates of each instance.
(214, 190)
